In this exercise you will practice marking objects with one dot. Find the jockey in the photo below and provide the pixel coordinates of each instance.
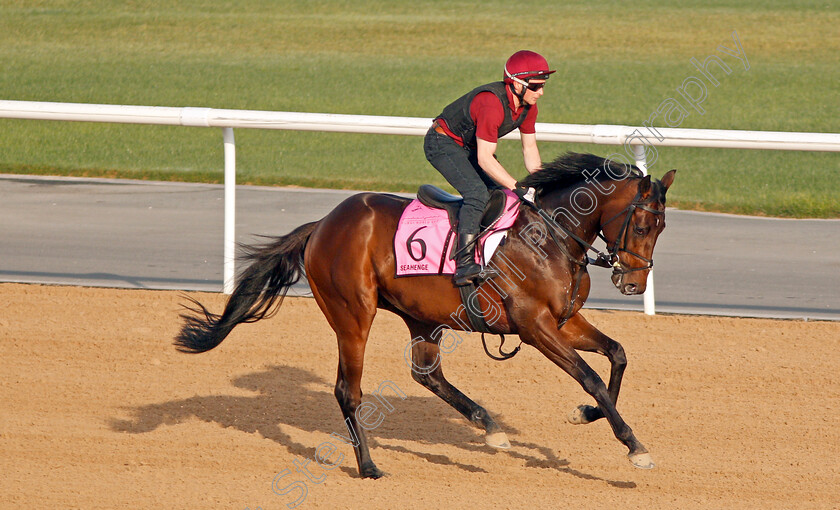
(461, 145)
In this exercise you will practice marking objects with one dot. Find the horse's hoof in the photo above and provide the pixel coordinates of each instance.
(578, 415)
(497, 440)
(372, 473)
(641, 460)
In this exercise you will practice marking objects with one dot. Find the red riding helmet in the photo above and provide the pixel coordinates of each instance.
(526, 65)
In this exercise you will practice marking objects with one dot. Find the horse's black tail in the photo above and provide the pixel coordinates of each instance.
(274, 267)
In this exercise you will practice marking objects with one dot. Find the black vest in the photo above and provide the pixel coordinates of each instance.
(458, 120)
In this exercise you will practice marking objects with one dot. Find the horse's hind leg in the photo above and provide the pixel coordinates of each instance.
(350, 314)
(348, 392)
(426, 369)
(586, 337)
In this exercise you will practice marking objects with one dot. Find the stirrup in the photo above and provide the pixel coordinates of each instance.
(487, 273)
(466, 275)
(478, 277)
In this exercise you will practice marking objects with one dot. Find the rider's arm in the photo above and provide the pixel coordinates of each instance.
(487, 113)
(530, 152)
(528, 134)
(491, 165)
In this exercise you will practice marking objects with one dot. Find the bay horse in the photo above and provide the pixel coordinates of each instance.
(348, 259)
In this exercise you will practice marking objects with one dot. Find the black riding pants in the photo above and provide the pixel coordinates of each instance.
(459, 166)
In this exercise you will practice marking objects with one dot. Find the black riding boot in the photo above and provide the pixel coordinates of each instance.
(466, 270)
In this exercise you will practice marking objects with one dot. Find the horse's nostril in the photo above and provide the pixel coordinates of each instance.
(630, 288)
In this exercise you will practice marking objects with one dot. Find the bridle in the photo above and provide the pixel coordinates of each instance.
(614, 261)
(610, 259)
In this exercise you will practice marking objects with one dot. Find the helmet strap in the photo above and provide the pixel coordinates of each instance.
(514, 79)
(521, 94)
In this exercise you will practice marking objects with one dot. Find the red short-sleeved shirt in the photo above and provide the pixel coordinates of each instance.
(487, 113)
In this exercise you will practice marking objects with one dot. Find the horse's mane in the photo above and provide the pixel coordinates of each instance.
(568, 170)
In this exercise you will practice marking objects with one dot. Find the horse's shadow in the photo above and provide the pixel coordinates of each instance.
(293, 397)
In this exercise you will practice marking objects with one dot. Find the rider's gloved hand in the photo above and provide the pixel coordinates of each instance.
(524, 193)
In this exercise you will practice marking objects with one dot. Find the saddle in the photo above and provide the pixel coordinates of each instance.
(436, 198)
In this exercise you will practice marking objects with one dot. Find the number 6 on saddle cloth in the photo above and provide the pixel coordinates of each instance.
(426, 232)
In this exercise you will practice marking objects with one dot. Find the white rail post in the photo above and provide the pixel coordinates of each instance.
(649, 303)
(229, 269)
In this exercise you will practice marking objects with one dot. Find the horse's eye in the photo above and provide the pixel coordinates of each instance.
(640, 231)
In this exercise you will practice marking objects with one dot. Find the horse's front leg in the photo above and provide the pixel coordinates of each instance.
(557, 345)
(586, 337)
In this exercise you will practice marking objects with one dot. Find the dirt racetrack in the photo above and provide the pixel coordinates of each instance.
(100, 411)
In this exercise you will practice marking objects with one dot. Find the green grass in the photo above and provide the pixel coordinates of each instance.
(617, 62)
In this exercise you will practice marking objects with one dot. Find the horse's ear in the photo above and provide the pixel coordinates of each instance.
(668, 179)
(644, 187)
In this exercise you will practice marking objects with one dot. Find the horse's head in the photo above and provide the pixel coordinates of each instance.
(587, 194)
(631, 224)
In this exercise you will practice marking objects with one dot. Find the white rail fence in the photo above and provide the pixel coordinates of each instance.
(636, 140)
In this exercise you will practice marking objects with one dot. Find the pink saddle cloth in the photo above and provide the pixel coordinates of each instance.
(424, 239)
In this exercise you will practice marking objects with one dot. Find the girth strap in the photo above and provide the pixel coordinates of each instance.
(476, 320)
(480, 325)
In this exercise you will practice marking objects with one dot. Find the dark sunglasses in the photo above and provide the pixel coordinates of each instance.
(533, 87)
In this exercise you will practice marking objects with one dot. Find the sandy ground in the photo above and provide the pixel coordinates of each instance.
(100, 411)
